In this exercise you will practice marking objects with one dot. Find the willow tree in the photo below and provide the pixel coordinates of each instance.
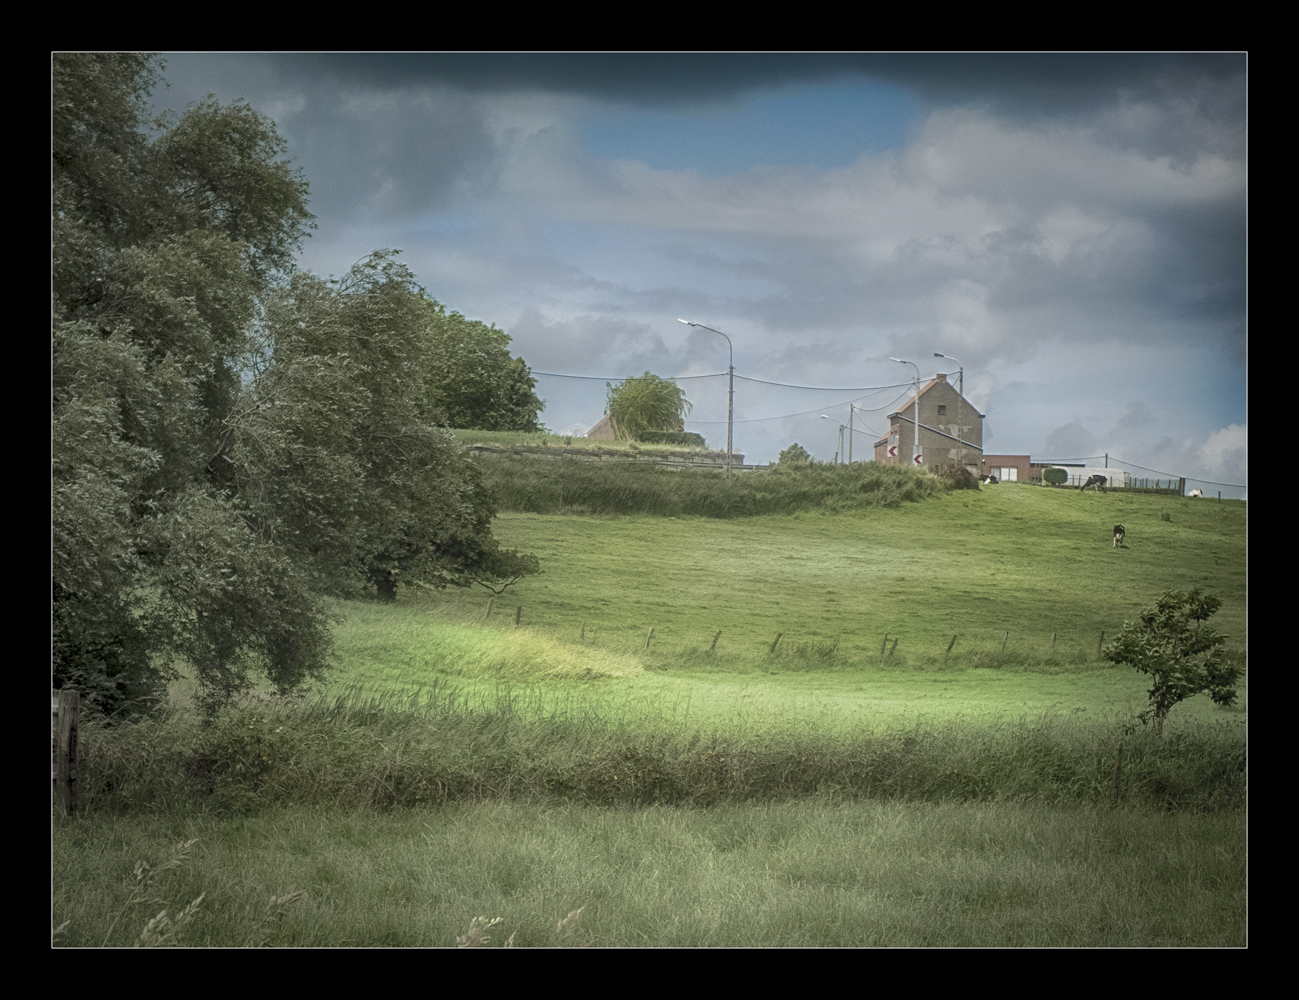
(645, 403)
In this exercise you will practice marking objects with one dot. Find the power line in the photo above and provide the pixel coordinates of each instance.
(623, 378)
(1134, 465)
(745, 378)
(826, 388)
(785, 416)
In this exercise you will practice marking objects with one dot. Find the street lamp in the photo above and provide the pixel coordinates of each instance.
(730, 397)
(915, 439)
(960, 408)
(838, 453)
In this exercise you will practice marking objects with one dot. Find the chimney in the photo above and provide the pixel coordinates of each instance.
(941, 377)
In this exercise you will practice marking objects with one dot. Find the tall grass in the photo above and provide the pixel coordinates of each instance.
(522, 439)
(575, 486)
(440, 746)
(820, 872)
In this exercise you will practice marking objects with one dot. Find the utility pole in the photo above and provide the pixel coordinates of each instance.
(730, 395)
(960, 408)
(838, 455)
(915, 434)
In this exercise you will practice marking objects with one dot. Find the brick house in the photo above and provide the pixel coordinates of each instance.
(942, 408)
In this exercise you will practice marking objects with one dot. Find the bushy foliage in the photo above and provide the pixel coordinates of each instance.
(795, 454)
(230, 440)
(686, 439)
(612, 487)
(957, 477)
(645, 403)
(1055, 476)
(472, 381)
(1183, 656)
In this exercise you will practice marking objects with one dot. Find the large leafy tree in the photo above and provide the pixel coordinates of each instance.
(472, 379)
(645, 403)
(338, 437)
(231, 441)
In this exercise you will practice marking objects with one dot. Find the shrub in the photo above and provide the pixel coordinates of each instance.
(686, 438)
(1055, 476)
(956, 477)
(795, 454)
(1171, 643)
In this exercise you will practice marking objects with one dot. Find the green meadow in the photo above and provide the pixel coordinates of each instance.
(904, 735)
(1017, 581)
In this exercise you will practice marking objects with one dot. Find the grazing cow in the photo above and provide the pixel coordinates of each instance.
(1097, 481)
(1196, 493)
(1118, 535)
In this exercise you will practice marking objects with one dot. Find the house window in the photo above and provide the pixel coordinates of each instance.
(942, 410)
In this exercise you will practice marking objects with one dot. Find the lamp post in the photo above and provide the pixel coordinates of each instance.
(730, 396)
(960, 409)
(915, 435)
(838, 453)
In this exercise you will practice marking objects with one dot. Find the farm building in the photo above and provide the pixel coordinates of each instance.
(1035, 469)
(1009, 468)
(1114, 478)
(951, 430)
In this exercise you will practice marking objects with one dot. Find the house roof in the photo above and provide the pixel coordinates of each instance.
(937, 380)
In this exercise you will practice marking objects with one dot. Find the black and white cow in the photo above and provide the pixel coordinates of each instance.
(1118, 535)
(988, 479)
(1097, 481)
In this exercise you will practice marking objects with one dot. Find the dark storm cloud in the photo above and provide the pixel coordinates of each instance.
(1045, 82)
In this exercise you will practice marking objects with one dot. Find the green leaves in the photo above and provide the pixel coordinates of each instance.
(647, 403)
(471, 380)
(1184, 657)
(234, 440)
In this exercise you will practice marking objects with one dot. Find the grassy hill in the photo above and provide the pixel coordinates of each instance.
(821, 794)
(866, 603)
(1015, 558)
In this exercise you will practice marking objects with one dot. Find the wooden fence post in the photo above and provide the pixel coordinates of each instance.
(65, 773)
(1003, 640)
(773, 645)
(1053, 635)
(894, 649)
(713, 648)
(1100, 642)
(884, 645)
(518, 615)
(648, 638)
(584, 632)
(489, 608)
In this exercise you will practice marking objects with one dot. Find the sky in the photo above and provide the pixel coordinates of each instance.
(1070, 227)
